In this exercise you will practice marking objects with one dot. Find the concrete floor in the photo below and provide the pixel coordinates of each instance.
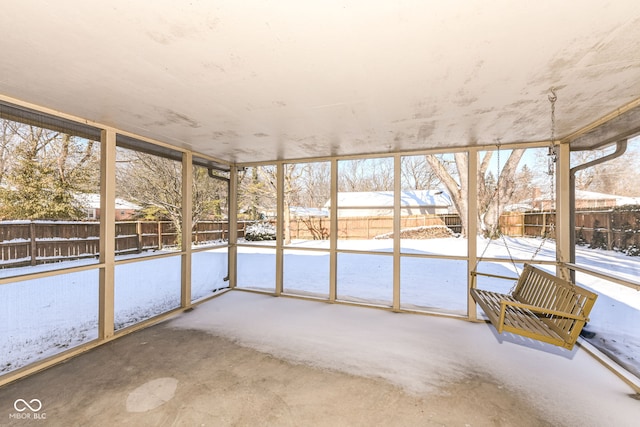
(168, 376)
(220, 383)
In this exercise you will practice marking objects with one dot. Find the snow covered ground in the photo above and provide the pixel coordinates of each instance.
(44, 316)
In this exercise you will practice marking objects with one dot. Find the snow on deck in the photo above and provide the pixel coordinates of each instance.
(419, 353)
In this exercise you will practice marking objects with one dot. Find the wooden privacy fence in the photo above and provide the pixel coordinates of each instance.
(317, 228)
(608, 229)
(38, 242)
(528, 224)
(605, 229)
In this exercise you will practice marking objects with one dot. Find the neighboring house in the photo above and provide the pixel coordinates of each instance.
(591, 199)
(298, 212)
(125, 210)
(302, 212)
(380, 203)
(584, 200)
(519, 207)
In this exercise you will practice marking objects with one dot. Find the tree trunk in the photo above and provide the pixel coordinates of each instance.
(506, 185)
(460, 192)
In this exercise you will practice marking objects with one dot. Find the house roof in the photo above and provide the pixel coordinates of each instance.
(92, 201)
(619, 200)
(408, 198)
(583, 195)
(301, 211)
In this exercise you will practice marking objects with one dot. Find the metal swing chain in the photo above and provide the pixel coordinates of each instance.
(495, 192)
(496, 225)
(553, 158)
(553, 155)
(497, 222)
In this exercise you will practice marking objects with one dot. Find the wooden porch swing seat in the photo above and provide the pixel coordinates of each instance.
(542, 307)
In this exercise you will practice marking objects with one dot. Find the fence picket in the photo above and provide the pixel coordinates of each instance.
(38, 242)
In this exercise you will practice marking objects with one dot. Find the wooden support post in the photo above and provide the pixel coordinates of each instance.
(472, 226)
(563, 210)
(107, 234)
(397, 226)
(280, 228)
(232, 259)
(333, 233)
(187, 211)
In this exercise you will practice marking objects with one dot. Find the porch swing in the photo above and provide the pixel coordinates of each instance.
(540, 305)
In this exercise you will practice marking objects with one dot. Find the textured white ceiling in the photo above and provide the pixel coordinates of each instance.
(263, 80)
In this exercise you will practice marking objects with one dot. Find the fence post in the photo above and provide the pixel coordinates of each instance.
(194, 233)
(32, 234)
(159, 235)
(139, 233)
(609, 231)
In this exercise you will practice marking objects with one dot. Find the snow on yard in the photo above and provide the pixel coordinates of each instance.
(44, 316)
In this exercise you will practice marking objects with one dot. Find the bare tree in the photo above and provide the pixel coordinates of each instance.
(155, 183)
(585, 177)
(316, 184)
(351, 175)
(365, 175)
(8, 141)
(417, 174)
(501, 195)
(457, 188)
(618, 176)
(256, 191)
(210, 195)
(310, 188)
(525, 185)
(292, 195)
(305, 185)
(293, 189)
(78, 163)
(495, 198)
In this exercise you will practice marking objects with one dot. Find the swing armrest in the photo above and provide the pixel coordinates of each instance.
(533, 308)
(497, 276)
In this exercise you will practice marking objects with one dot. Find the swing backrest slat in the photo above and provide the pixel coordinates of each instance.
(541, 289)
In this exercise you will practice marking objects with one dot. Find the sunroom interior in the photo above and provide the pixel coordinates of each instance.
(265, 130)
